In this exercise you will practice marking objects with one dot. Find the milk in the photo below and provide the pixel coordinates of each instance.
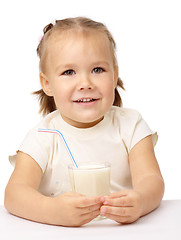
(91, 180)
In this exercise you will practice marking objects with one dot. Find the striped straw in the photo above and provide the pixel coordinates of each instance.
(61, 135)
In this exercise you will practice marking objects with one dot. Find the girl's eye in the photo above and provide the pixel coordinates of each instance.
(69, 72)
(98, 70)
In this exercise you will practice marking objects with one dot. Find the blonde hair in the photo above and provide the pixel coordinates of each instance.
(47, 103)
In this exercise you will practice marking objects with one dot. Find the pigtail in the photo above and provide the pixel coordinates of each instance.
(47, 28)
(117, 99)
(47, 103)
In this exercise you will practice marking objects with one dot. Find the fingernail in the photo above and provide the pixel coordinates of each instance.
(105, 202)
(102, 199)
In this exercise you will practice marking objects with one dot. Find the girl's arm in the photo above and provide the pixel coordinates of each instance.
(146, 176)
(148, 186)
(23, 199)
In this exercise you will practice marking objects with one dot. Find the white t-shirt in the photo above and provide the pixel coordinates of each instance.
(109, 141)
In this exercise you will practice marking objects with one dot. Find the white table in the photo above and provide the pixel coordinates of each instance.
(163, 223)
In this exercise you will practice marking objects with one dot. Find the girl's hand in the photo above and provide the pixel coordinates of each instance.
(73, 209)
(122, 207)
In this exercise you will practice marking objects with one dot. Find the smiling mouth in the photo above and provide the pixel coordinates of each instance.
(85, 100)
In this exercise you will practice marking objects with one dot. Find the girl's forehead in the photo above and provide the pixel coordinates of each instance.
(71, 37)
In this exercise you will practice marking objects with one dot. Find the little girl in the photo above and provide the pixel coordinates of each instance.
(79, 96)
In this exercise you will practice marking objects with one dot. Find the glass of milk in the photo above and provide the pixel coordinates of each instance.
(90, 179)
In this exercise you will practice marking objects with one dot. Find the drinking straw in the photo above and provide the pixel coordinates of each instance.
(61, 135)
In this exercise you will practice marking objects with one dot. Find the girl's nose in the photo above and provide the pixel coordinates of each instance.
(85, 83)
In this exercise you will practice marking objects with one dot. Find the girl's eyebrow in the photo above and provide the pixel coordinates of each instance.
(101, 63)
(65, 66)
(73, 65)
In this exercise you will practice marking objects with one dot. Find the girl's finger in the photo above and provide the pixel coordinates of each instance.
(90, 209)
(119, 219)
(119, 202)
(87, 217)
(117, 211)
(83, 202)
(122, 193)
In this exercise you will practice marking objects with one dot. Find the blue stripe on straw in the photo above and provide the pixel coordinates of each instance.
(56, 131)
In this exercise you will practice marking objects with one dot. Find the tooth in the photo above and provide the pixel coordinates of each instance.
(85, 100)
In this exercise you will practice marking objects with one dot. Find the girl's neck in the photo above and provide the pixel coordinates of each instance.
(81, 124)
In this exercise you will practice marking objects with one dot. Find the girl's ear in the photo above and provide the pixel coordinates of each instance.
(45, 84)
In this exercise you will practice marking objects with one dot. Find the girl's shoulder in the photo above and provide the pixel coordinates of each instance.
(131, 126)
(124, 115)
(35, 133)
(49, 120)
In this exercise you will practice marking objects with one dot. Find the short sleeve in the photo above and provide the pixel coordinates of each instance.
(35, 146)
(142, 130)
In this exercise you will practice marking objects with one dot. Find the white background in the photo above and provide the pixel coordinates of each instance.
(148, 37)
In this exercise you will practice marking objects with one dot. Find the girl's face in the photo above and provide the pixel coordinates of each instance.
(80, 76)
